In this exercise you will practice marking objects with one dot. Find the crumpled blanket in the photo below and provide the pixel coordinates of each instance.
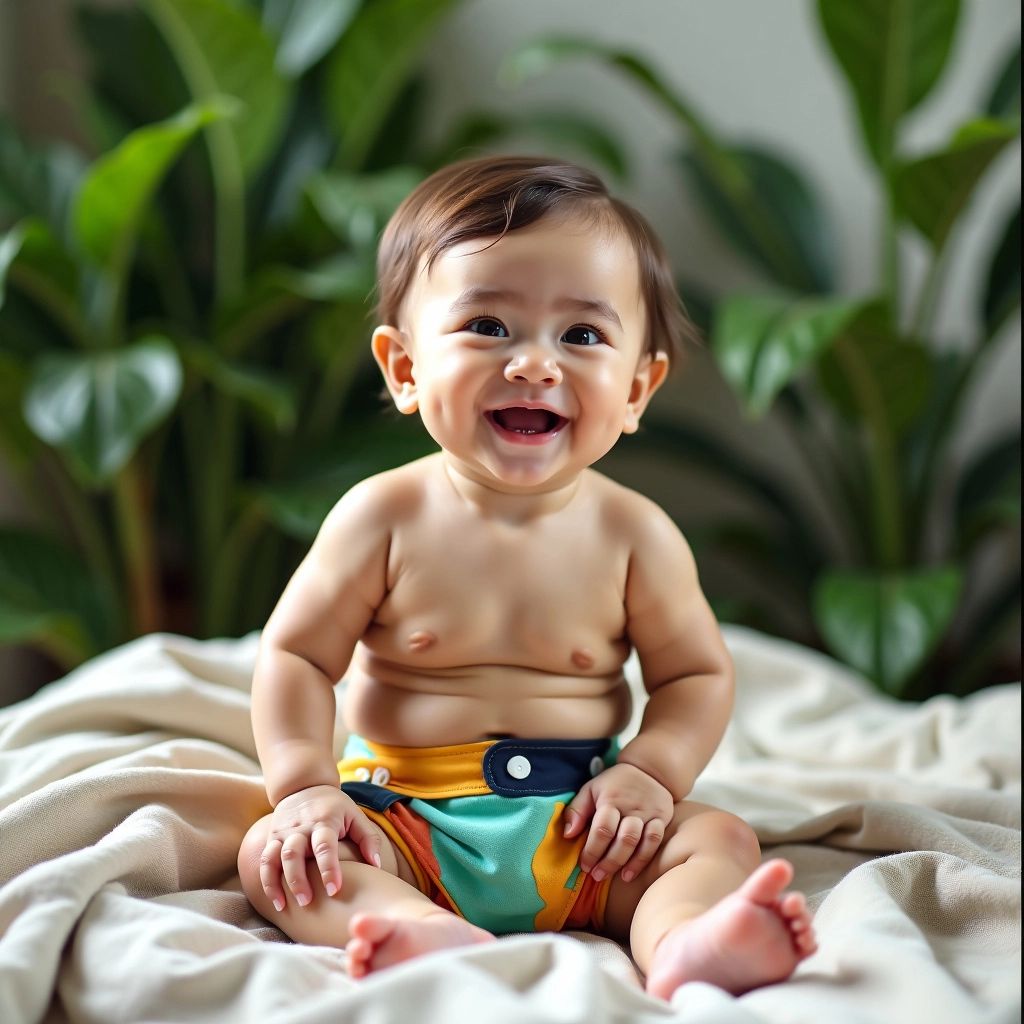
(126, 788)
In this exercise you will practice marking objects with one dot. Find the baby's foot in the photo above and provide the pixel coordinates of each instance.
(378, 940)
(754, 936)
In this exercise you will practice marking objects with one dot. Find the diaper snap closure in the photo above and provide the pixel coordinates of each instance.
(542, 767)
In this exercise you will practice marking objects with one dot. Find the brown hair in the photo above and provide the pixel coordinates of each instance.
(491, 196)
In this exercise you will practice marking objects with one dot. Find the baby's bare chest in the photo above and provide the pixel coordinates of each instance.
(555, 602)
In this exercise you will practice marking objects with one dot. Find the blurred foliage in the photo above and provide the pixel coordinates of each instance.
(896, 589)
(184, 307)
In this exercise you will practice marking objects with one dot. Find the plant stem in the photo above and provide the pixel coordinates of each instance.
(883, 461)
(225, 160)
(927, 299)
(225, 582)
(132, 502)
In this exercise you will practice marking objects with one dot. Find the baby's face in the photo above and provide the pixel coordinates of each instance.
(527, 355)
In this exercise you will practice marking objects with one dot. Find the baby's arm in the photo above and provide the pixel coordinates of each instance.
(304, 650)
(688, 673)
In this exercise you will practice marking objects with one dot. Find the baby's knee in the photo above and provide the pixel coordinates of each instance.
(718, 833)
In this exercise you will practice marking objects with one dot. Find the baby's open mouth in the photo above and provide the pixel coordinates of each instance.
(528, 422)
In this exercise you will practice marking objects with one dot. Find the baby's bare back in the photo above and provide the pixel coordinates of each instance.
(494, 626)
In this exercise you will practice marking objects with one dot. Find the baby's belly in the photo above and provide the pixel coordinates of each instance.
(391, 704)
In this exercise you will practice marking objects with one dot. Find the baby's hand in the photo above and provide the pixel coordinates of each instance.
(307, 825)
(630, 810)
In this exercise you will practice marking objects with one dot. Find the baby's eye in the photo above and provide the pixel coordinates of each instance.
(580, 335)
(487, 326)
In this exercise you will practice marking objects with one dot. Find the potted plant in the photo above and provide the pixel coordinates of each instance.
(896, 588)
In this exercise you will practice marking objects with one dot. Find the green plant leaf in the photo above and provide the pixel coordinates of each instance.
(275, 293)
(892, 53)
(1002, 287)
(762, 205)
(16, 440)
(886, 625)
(39, 182)
(1004, 101)
(117, 189)
(899, 370)
(260, 389)
(306, 30)
(769, 213)
(988, 495)
(222, 50)
(49, 599)
(932, 191)
(560, 129)
(538, 56)
(44, 270)
(98, 407)
(370, 64)
(761, 343)
(299, 507)
(357, 206)
(691, 443)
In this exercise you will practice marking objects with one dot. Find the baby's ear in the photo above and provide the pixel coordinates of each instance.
(390, 348)
(650, 375)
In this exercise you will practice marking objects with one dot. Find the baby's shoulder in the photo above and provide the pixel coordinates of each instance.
(382, 501)
(629, 513)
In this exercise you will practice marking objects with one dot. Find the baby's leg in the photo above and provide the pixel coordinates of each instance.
(379, 917)
(706, 909)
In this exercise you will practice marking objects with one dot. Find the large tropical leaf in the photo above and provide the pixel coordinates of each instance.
(97, 407)
(892, 53)
(760, 203)
(1002, 287)
(872, 357)
(886, 625)
(49, 599)
(688, 442)
(932, 191)
(222, 50)
(117, 189)
(1004, 101)
(769, 212)
(357, 206)
(762, 342)
(988, 495)
(368, 67)
(306, 30)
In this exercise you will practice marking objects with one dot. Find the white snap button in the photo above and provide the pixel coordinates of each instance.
(381, 777)
(362, 774)
(596, 766)
(518, 767)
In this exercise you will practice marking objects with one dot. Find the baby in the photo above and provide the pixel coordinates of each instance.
(480, 604)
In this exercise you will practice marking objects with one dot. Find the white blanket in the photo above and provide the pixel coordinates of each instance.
(125, 789)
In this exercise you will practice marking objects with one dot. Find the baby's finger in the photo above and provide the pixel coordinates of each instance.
(366, 837)
(293, 862)
(324, 843)
(650, 843)
(579, 812)
(601, 835)
(270, 873)
(627, 838)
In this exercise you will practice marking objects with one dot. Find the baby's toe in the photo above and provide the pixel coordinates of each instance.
(357, 957)
(793, 906)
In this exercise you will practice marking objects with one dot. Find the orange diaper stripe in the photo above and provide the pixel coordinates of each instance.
(553, 863)
(425, 772)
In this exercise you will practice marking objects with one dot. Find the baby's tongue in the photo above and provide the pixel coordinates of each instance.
(527, 421)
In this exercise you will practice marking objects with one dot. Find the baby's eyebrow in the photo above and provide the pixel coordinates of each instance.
(473, 298)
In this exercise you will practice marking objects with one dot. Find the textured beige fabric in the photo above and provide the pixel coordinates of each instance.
(125, 789)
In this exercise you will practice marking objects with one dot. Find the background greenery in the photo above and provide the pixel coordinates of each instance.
(183, 305)
(183, 333)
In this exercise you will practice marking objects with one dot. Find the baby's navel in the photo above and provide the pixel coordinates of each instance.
(582, 658)
(421, 640)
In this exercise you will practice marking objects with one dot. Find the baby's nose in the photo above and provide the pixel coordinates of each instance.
(533, 365)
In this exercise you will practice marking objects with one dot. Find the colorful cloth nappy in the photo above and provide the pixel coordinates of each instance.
(481, 825)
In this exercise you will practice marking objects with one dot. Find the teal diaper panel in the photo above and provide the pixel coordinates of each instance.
(484, 847)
